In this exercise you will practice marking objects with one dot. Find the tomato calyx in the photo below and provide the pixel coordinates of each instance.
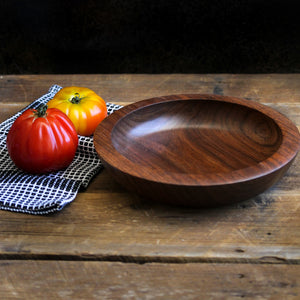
(76, 99)
(40, 112)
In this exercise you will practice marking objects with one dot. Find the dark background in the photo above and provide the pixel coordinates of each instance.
(135, 36)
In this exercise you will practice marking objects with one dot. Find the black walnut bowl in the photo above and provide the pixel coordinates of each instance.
(197, 150)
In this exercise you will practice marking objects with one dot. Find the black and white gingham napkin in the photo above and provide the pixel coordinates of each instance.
(43, 194)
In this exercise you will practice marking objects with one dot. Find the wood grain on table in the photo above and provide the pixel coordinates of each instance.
(110, 243)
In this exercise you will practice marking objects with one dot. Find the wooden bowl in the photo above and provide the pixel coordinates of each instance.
(197, 150)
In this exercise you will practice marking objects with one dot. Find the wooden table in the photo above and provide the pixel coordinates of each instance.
(110, 244)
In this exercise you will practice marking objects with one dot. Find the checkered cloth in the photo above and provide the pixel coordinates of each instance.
(43, 194)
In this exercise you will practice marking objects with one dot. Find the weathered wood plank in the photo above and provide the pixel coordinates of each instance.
(268, 88)
(114, 223)
(105, 280)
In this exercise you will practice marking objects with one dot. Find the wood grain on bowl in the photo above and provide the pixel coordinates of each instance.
(197, 150)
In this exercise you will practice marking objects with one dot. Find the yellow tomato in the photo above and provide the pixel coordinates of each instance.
(83, 106)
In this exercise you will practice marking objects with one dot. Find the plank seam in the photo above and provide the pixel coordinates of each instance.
(152, 259)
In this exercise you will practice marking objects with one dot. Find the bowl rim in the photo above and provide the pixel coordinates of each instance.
(287, 151)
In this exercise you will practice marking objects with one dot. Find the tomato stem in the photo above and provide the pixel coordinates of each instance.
(76, 99)
(41, 111)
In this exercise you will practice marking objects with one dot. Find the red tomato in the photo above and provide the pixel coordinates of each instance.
(42, 140)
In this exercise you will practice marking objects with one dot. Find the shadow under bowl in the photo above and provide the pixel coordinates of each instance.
(197, 150)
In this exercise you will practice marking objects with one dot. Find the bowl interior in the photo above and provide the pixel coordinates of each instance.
(193, 137)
